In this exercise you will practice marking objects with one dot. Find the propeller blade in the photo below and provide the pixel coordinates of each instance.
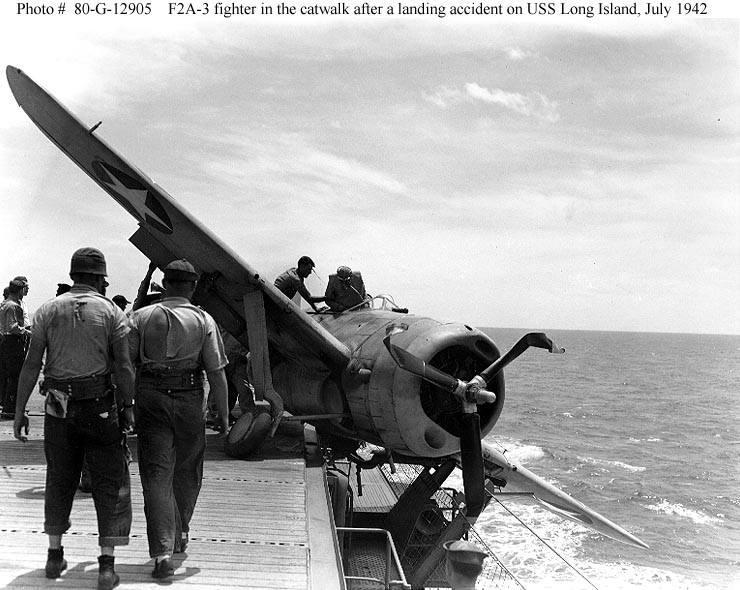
(536, 339)
(413, 364)
(472, 465)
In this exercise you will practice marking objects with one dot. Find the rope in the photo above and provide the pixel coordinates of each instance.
(546, 544)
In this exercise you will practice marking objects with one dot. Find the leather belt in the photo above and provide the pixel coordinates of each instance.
(172, 379)
(83, 388)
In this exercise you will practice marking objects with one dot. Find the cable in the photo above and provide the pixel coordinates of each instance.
(570, 565)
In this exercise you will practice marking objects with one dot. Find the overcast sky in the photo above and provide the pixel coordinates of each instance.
(572, 174)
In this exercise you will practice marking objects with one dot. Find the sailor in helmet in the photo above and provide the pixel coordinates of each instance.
(83, 338)
(464, 564)
(345, 290)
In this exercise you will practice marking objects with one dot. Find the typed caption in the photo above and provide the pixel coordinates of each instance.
(409, 9)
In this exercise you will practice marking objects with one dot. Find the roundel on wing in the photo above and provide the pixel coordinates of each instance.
(135, 196)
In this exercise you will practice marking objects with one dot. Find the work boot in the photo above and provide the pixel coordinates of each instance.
(163, 568)
(107, 577)
(55, 563)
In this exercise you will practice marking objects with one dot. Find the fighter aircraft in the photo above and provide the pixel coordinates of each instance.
(423, 390)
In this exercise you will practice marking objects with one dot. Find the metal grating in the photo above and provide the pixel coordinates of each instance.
(430, 526)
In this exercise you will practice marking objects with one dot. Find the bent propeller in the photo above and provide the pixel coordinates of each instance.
(471, 393)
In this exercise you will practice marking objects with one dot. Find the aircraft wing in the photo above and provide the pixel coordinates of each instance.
(167, 231)
(520, 479)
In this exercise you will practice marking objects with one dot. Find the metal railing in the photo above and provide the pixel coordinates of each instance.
(391, 558)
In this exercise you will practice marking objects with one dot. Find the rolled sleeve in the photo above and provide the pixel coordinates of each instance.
(120, 325)
(38, 329)
(213, 354)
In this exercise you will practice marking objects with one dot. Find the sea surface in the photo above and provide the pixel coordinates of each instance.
(643, 428)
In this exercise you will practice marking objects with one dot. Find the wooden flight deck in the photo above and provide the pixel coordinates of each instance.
(260, 523)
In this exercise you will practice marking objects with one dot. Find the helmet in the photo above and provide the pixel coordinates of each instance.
(461, 551)
(344, 273)
(88, 260)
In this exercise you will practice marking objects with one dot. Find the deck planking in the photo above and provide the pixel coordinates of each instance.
(250, 529)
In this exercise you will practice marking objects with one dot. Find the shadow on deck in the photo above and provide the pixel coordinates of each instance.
(249, 529)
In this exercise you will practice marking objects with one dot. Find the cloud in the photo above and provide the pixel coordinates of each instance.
(516, 54)
(286, 140)
(292, 156)
(534, 104)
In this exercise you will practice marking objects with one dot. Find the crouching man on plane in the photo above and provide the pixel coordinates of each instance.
(292, 281)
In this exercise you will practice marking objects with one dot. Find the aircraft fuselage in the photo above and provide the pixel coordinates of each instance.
(389, 406)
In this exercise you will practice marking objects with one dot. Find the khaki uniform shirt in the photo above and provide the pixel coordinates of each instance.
(11, 318)
(174, 334)
(290, 283)
(77, 329)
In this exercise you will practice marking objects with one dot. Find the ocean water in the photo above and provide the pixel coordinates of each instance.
(643, 428)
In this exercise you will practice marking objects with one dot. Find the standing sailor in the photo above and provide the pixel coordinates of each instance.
(13, 334)
(24, 305)
(173, 342)
(121, 302)
(83, 335)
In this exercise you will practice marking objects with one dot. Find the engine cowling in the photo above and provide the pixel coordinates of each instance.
(396, 409)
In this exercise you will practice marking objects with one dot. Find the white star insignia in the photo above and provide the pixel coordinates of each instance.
(134, 196)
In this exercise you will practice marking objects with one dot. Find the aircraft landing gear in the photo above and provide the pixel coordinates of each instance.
(248, 432)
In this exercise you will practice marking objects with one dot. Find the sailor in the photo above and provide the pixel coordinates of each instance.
(14, 331)
(464, 564)
(24, 305)
(121, 302)
(143, 297)
(173, 342)
(62, 288)
(345, 290)
(237, 373)
(83, 336)
(291, 282)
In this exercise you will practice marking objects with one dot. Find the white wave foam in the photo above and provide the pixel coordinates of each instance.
(696, 516)
(519, 452)
(620, 576)
(526, 453)
(620, 464)
(539, 568)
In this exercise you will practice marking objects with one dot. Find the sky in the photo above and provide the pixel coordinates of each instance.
(534, 173)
